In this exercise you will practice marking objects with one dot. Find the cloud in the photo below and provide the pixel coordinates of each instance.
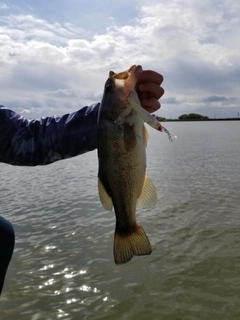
(218, 99)
(170, 100)
(63, 93)
(48, 65)
(3, 6)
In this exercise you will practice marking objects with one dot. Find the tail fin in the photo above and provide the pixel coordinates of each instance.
(128, 245)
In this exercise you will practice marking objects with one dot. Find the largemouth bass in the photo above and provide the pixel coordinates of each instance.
(122, 181)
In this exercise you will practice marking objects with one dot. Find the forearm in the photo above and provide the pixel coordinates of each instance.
(39, 142)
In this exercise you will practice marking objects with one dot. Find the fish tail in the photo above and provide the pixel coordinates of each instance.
(131, 244)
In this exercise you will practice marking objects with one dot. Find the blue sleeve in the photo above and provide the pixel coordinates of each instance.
(39, 142)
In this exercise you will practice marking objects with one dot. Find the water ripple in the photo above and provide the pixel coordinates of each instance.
(63, 267)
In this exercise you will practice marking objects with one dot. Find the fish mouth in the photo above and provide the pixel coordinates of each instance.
(126, 74)
(135, 68)
(126, 80)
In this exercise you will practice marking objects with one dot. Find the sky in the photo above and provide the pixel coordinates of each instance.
(55, 55)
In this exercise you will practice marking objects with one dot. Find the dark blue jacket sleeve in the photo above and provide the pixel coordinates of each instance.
(39, 142)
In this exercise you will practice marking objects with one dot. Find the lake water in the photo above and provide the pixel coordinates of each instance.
(63, 266)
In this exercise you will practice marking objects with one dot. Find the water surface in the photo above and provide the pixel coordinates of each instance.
(63, 267)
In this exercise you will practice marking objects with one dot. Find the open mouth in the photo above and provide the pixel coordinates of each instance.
(127, 74)
(137, 68)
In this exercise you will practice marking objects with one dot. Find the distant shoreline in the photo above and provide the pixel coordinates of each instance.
(190, 120)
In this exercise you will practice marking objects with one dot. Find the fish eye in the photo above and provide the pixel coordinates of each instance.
(108, 87)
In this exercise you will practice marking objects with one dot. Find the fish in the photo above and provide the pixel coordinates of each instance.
(122, 180)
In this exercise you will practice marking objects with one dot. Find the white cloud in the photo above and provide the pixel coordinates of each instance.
(63, 93)
(3, 5)
(58, 67)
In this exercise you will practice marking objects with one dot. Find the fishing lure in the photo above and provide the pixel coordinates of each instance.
(147, 117)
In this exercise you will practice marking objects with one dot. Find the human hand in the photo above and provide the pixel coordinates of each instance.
(149, 89)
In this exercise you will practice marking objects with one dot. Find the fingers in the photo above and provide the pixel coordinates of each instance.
(149, 76)
(152, 89)
(150, 104)
(149, 89)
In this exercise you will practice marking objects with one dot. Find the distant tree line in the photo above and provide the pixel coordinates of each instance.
(192, 116)
(161, 119)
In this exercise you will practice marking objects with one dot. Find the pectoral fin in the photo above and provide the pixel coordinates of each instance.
(130, 140)
(106, 200)
(148, 196)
